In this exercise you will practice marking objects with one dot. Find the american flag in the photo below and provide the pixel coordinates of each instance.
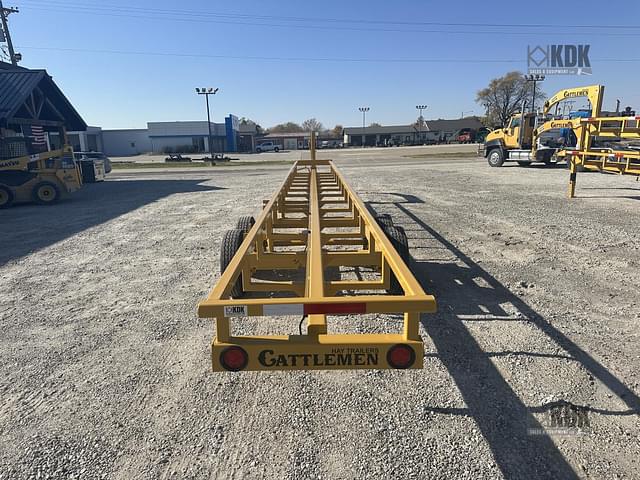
(37, 133)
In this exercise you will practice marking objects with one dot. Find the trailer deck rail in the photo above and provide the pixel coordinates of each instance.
(620, 160)
(313, 224)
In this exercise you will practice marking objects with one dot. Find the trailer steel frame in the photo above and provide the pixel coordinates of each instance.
(622, 162)
(315, 221)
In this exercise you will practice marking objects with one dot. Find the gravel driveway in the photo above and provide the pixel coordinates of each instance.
(105, 368)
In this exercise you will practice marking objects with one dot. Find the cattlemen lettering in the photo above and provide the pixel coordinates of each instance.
(268, 358)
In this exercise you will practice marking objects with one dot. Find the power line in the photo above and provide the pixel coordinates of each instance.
(304, 59)
(231, 19)
(198, 13)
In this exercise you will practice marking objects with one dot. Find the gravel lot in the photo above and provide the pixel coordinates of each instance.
(105, 369)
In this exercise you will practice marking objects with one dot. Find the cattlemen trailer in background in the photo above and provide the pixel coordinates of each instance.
(280, 265)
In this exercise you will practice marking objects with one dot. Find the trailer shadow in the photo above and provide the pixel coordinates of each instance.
(465, 291)
(28, 228)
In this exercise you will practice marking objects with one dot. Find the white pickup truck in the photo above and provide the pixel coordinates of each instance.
(267, 147)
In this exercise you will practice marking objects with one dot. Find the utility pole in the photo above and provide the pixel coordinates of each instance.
(4, 13)
(535, 79)
(206, 92)
(420, 109)
(364, 111)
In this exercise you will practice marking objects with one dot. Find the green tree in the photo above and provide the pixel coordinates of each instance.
(505, 96)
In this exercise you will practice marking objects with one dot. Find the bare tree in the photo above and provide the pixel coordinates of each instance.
(337, 131)
(288, 127)
(312, 125)
(505, 96)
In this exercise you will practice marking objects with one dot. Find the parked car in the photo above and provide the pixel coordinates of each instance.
(268, 147)
(94, 156)
(464, 135)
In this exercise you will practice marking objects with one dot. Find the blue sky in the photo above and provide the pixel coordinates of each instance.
(302, 68)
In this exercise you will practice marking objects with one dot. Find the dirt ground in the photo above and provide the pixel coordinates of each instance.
(105, 369)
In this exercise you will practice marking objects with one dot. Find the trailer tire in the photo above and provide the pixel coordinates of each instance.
(45, 193)
(399, 240)
(495, 157)
(231, 242)
(384, 220)
(6, 197)
(245, 223)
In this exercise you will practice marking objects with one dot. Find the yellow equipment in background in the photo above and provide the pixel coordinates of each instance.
(42, 178)
(520, 140)
(594, 153)
(280, 265)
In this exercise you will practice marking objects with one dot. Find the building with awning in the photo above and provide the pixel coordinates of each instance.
(431, 131)
(32, 106)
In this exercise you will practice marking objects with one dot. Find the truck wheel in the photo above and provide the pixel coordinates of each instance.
(45, 193)
(231, 242)
(495, 157)
(245, 223)
(276, 149)
(6, 197)
(400, 242)
(384, 220)
(258, 150)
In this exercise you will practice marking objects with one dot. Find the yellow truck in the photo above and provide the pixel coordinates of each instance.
(42, 177)
(528, 138)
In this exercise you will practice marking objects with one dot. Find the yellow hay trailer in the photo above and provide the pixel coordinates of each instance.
(620, 160)
(313, 224)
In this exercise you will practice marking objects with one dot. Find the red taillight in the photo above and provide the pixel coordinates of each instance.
(401, 356)
(234, 358)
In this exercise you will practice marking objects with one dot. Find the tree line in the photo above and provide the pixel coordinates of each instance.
(503, 97)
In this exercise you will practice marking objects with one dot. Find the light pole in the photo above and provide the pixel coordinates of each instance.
(420, 109)
(364, 111)
(206, 92)
(535, 79)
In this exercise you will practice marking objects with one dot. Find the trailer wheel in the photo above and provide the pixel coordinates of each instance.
(231, 242)
(400, 242)
(45, 193)
(245, 223)
(384, 220)
(6, 197)
(495, 157)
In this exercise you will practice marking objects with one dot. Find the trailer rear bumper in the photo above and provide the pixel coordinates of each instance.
(326, 352)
